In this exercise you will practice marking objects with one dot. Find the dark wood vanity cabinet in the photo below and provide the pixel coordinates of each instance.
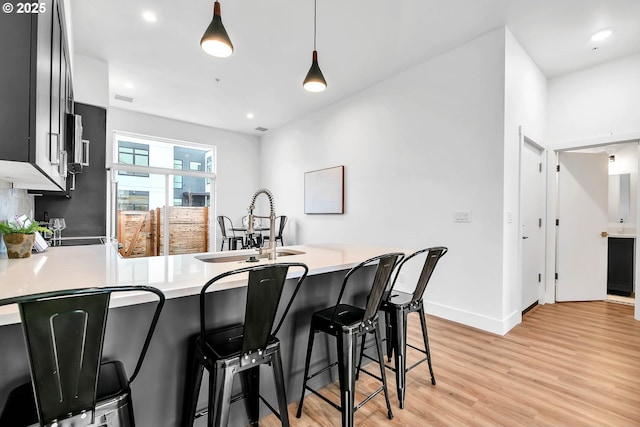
(35, 96)
(620, 270)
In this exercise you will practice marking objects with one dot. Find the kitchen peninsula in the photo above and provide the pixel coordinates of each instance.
(158, 391)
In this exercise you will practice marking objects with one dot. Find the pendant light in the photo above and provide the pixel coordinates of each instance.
(314, 82)
(215, 40)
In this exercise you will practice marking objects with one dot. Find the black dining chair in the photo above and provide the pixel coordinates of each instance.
(281, 221)
(348, 324)
(397, 305)
(241, 348)
(226, 226)
(70, 383)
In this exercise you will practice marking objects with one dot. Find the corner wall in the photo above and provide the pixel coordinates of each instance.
(415, 147)
(525, 108)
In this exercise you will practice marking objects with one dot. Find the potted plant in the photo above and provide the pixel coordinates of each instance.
(19, 239)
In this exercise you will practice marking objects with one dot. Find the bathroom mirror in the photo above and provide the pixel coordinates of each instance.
(619, 198)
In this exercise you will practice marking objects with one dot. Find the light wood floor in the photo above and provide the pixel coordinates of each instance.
(566, 364)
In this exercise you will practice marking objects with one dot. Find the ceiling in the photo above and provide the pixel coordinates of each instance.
(360, 42)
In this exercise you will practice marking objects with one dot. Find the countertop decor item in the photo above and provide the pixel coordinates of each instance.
(19, 239)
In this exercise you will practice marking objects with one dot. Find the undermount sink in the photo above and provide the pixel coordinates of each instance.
(245, 255)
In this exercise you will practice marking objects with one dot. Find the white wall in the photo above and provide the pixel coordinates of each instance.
(599, 101)
(525, 107)
(237, 160)
(415, 147)
(91, 81)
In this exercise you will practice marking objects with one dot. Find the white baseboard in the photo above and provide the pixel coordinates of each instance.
(495, 326)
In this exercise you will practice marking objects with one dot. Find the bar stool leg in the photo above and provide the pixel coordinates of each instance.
(347, 354)
(192, 385)
(220, 396)
(382, 370)
(400, 344)
(251, 384)
(364, 340)
(425, 337)
(389, 334)
(276, 363)
(312, 334)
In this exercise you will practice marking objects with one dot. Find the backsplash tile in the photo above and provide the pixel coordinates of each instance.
(12, 202)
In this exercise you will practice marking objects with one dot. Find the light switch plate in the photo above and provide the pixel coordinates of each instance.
(461, 216)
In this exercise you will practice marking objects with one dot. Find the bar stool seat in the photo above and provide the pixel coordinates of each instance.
(20, 407)
(349, 323)
(240, 348)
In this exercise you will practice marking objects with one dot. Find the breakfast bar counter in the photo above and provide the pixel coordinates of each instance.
(158, 390)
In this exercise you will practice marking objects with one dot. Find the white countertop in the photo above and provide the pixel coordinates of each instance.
(69, 267)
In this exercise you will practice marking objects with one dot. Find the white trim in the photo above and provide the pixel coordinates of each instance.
(552, 199)
(524, 139)
(595, 141)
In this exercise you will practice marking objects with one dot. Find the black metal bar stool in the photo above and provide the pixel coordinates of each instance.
(70, 385)
(241, 348)
(348, 323)
(397, 305)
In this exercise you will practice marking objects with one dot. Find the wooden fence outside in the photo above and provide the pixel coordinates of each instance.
(141, 233)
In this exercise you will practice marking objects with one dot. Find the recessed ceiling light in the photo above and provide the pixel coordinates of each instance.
(149, 16)
(250, 116)
(601, 35)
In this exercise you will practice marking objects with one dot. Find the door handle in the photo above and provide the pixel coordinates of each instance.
(525, 237)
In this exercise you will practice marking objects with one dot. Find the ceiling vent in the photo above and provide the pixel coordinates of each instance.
(123, 98)
(261, 129)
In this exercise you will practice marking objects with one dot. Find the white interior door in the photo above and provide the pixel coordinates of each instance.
(532, 198)
(583, 214)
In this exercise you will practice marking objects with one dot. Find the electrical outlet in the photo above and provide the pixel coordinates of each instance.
(461, 216)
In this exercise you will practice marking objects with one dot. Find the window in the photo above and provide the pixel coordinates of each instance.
(177, 179)
(131, 153)
(209, 162)
(129, 200)
(158, 183)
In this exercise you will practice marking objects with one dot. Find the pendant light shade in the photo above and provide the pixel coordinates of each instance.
(314, 82)
(215, 40)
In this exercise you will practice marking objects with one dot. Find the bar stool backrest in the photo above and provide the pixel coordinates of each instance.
(222, 221)
(433, 256)
(264, 291)
(64, 334)
(281, 224)
(385, 266)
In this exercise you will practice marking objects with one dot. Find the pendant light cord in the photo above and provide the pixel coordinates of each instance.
(315, 20)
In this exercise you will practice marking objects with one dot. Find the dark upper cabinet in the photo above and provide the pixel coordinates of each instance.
(85, 212)
(35, 85)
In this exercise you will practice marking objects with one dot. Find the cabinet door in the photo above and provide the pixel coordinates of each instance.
(46, 136)
(56, 61)
(15, 102)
